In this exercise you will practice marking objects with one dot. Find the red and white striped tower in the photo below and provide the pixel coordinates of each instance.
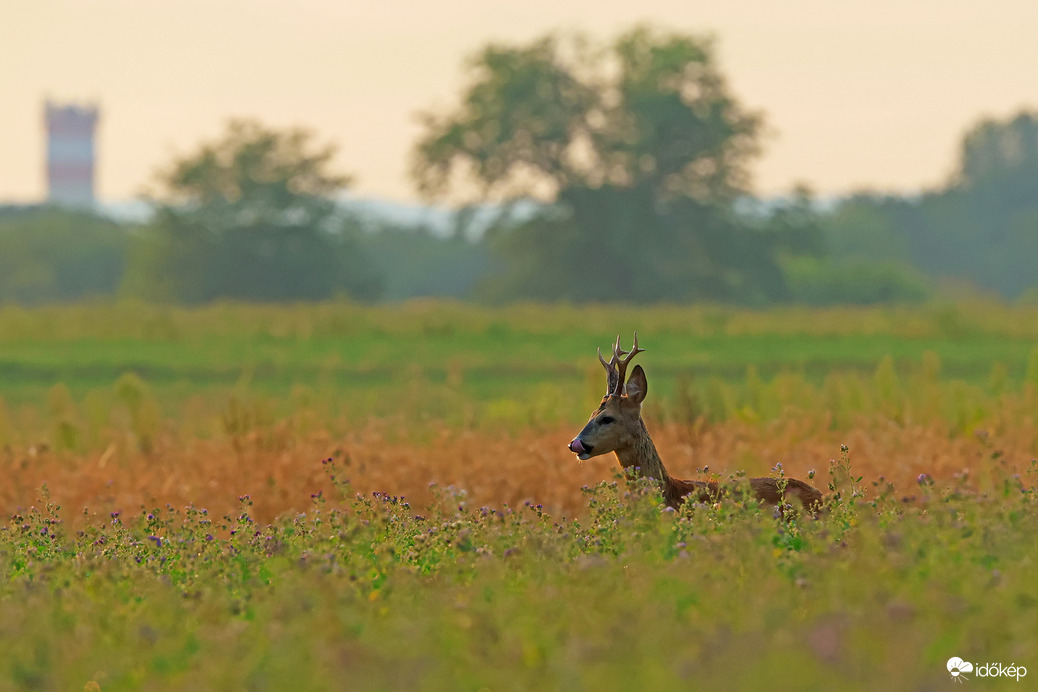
(70, 154)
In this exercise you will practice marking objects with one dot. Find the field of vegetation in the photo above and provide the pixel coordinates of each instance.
(333, 496)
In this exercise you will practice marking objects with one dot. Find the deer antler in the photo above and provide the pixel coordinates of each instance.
(610, 368)
(616, 368)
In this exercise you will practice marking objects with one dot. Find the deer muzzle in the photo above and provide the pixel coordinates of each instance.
(580, 449)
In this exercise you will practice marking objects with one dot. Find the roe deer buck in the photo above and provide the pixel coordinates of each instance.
(617, 426)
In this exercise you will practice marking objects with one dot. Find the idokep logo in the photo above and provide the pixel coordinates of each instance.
(958, 668)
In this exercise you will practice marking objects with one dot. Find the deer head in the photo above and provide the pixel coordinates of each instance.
(617, 423)
(616, 426)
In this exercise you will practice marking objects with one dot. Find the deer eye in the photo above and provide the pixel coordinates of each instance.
(606, 420)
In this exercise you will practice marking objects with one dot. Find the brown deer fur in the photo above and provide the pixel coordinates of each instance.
(617, 426)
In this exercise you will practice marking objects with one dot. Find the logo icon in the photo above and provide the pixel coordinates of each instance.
(956, 666)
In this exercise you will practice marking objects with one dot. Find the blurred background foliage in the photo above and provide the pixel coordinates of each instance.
(251, 216)
(591, 173)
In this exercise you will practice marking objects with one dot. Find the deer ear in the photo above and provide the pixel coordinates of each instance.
(636, 385)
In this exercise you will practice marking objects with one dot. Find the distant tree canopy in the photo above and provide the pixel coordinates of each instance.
(416, 263)
(1004, 155)
(640, 150)
(982, 227)
(251, 216)
(639, 156)
(50, 255)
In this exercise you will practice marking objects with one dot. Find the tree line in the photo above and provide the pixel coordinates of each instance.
(638, 157)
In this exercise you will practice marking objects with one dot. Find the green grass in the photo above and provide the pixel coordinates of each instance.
(84, 346)
(464, 365)
(363, 593)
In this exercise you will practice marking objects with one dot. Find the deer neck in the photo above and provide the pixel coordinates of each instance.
(641, 458)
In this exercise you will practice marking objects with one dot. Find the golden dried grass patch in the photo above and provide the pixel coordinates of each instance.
(282, 471)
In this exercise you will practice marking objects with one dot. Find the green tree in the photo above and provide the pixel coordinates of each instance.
(416, 262)
(996, 154)
(49, 254)
(251, 216)
(639, 150)
(980, 228)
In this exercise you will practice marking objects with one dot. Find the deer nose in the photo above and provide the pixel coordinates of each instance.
(577, 447)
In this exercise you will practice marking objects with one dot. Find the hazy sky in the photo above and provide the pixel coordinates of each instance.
(857, 94)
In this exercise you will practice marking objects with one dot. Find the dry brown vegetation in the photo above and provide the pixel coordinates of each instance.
(281, 471)
(233, 400)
